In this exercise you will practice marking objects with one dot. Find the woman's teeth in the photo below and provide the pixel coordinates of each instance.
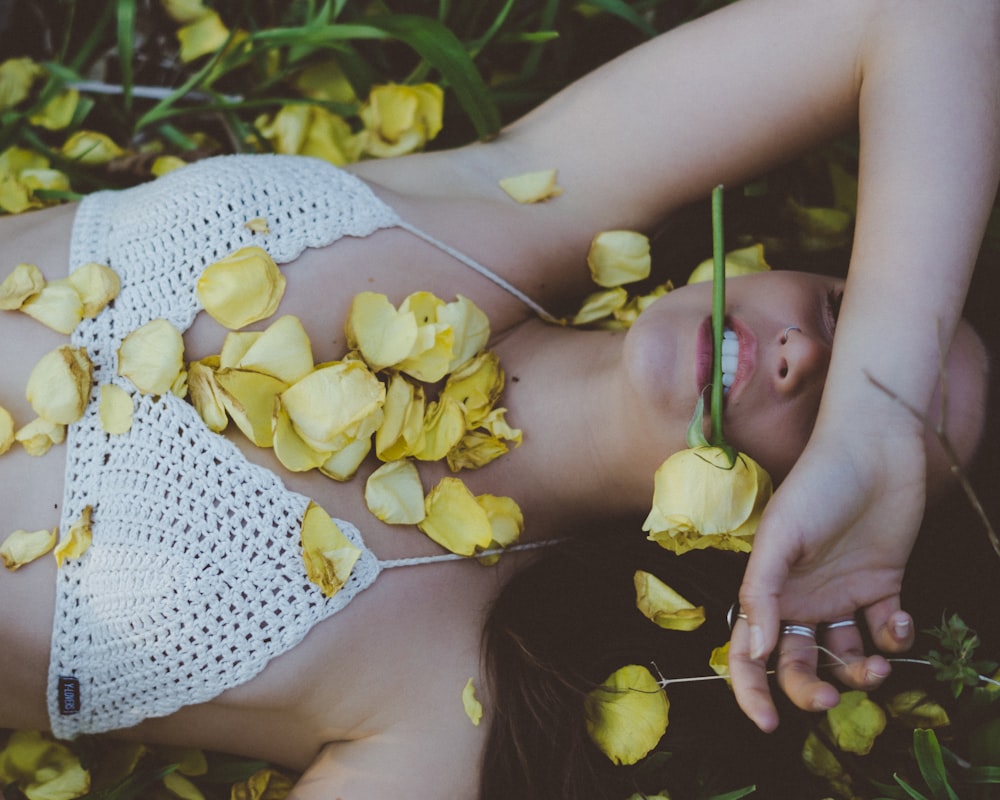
(730, 357)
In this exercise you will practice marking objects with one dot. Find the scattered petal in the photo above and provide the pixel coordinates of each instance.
(719, 661)
(164, 165)
(444, 426)
(916, 709)
(282, 351)
(244, 287)
(506, 519)
(855, 723)
(59, 385)
(206, 395)
(600, 305)
(473, 708)
(38, 436)
(16, 78)
(75, 543)
(661, 604)
(470, 329)
(383, 334)
(91, 148)
(532, 187)
(342, 465)
(116, 409)
(97, 286)
(745, 261)
(181, 787)
(618, 257)
(476, 386)
(58, 112)
(628, 715)
(57, 306)
(395, 495)
(23, 283)
(6, 430)
(403, 422)
(401, 119)
(293, 453)
(152, 357)
(329, 556)
(249, 398)
(311, 130)
(455, 519)
(257, 225)
(266, 784)
(204, 35)
(41, 768)
(23, 547)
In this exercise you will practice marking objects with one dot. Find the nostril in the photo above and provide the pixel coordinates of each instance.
(783, 371)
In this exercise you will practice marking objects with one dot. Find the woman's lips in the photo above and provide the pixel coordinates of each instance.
(703, 355)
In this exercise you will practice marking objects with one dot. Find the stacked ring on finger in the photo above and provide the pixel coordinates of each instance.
(843, 623)
(794, 629)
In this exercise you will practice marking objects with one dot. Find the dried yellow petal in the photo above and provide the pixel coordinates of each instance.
(206, 395)
(57, 306)
(475, 450)
(661, 604)
(532, 187)
(202, 36)
(257, 225)
(618, 257)
(628, 715)
(265, 784)
(342, 465)
(745, 261)
(473, 708)
(75, 543)
(24, 282)
(41, 768)
(329, 556)
(496, 423)
(401, 119)
(59, 385)
(293, 453)
(282, 351)
(97, 286)
(718, 660)
(39, 435)
(16, 77)
(383, 334)
(476, 386)
(23, 547)
(855, 722)
(506, 519)
(915, 708)
(455, 519)
(115, 410)
(470, 329)
(244, 287)
(6, 430)
(91, 148)
(600, 305)
(152, 356)
(394, 494)
(444, 426)
(403, 422)
(249, 397)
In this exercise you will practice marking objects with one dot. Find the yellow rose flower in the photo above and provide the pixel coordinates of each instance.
(59, 385)
(662, 605)
(618, 257)
(628, 715)
(700, 501)
(308, 130)
(401, 119)
(244, 287)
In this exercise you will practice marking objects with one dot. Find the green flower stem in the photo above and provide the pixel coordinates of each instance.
(718, 315)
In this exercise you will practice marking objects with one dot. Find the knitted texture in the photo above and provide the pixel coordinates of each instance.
(195, 579)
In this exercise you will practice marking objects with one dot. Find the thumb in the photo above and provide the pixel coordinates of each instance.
(762, 582)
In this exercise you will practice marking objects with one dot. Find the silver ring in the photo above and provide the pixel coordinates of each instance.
(844, 623)
(734, 614)
(789, 329)
(793, 629)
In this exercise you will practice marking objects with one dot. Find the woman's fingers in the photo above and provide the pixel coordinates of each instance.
(798, 659)
(749, 676)
(891, 628)
(846, 656)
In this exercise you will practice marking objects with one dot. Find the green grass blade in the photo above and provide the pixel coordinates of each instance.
(928, 752)
(621, 9)
(126, 49)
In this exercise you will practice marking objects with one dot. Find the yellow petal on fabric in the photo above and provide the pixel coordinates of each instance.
(401, 119)
(383, 334)
(745, 261)
(91, 148)
(244, 287)
(206, 396)
(58, 112)
(77, 540)
(42, 768)
(600, 305)
(506, 519)
(470, 328)
(152, 357)
(115, 409)
(700, 501)
(164, 165)
(342, 465)
(249, 398)
(443, 428)
(403, 421)
(257, 225)
(58, 387)
(855, 722)
(23, 547)
(916, 709)
(455, 519)
(97, 286)
(38, 436)
(16, 78)
(663, 606)
(293, 453)
(204, 35)
(335, 404)
(282, 351)
(394, 494)
(476, 386)
(181, 787)
(532, 187)
(57, 306)
(329, 556)
(6, 430)
(24, 282)
(617, 257)
(473, 708)
(265, 784)
(628, 715)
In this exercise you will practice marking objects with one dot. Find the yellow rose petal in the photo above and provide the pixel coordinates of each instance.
(532, 187)
(6, 430)
(16, 77)
(181, 787)
(383, 334)
(455, 519)
(476, 449)
(719, 661)
(59, 385)
(916, 709)
(97, 286)
(394, 494)
(164, 165)
(401, 119)
(204, 35)
(444, 426)
(116, 409)
(206, 395)
(618, 257)
(470, 329)
(476, 386)
(244, 287)
(600, 305)
(43, 769)
(184, 12)
(282, 351)
(661, 604)
(38, 436)
(265, 784)
(745, 261)
(403, 421)
(75, 543)
(91, 148)
(57, 306)
(628, 715)
(249, 398)
(342, 465)
(58, 112)
(23, 283)
(23, 547)
(152, 357)
(473, 708)
(329, 556)
(257, 225)
(293, 453)
(628, 313)
(855, 722)
(235, 346)
(495, 422)
(506, 519)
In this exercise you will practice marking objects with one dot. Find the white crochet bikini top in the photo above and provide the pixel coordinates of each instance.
(194, 580)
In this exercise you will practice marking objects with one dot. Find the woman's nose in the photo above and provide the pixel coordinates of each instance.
(802, 359)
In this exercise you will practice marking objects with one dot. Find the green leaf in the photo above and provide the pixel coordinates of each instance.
(736, 794)
(928, 752)
(126, 33)
(621, 9)
(910, 791)
(696, 427)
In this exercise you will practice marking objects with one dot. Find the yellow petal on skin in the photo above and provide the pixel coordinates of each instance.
(532, 187)
(600, 305)
(618, 257)
(75, 543)
(38, 436)
(383, 334)
(6, 430)
(329, 556)
(855, 722)
(23, 547)
(496, 423)
(335, 404)
(206, 395)
(342, 465)
(475, 450)
(257, 225)
(249, 398)
(181, 787)
(394, 494)
(57, 306)
(473, 708)
(23, 283)
(59, 385)
(745, 261)
(204, 35)
(476, 386)
(455, 519)
(403, 422)
(662, 605)
(97, 286)
(628, 715)
(916, 709)
(58, 112)
(293, 453)
(506, 519)
(282, 351)
(164, 165)
(152, 356)
(235, 346)
(116, 409)
(91, 148)
(244, 287)
(444, 426)
(432, 355)
(470, 327)
(628, 313)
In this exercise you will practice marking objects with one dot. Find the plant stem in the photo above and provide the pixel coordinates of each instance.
(718, 315)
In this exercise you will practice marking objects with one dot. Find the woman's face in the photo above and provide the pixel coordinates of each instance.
(775, 374)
